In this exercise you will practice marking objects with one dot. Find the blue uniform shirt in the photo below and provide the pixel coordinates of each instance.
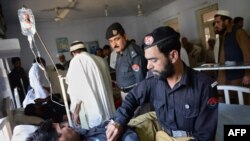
(130, 66)
(191, 105)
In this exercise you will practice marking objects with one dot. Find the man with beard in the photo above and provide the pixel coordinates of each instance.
(185, 101)
(89, 88)
(234, 49)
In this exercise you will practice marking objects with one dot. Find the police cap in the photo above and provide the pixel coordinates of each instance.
(159, 35)
(114, 29)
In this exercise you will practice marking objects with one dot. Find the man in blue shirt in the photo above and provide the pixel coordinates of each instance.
(185, 100)
(130, 63)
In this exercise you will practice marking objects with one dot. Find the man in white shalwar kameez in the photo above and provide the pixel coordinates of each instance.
(89, 87)
(39, 83)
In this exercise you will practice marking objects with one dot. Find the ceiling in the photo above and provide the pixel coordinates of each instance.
(83, 9)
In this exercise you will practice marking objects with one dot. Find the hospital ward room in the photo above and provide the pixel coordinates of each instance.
(124, 70)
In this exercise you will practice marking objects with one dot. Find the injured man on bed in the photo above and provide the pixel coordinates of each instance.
(49, 131)
(39, 101)
(91, 102)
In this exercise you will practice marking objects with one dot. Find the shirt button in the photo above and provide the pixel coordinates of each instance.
(187, 106)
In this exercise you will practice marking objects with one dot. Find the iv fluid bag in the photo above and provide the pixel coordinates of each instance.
(27, 21)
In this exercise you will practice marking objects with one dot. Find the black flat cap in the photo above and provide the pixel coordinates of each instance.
(114, 29)
(159, 35)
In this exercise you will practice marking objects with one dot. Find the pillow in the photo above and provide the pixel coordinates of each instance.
(21, 132)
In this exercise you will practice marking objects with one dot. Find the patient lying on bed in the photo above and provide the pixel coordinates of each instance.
(49, 131)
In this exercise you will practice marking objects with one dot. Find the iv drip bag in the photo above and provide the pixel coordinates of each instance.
(27, 21)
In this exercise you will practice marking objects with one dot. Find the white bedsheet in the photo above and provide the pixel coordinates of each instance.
(21, 132)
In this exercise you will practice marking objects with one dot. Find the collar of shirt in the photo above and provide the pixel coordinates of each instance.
(126, 51)
(187, 76)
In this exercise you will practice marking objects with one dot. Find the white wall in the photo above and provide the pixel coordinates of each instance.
(84, 30)
(136, 27)
(185, 10)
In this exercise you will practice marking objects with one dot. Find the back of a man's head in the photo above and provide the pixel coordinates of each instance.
(237, 20)
(77, 47)
(40, 60)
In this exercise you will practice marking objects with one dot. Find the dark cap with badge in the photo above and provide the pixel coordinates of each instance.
(160, 35)
(114, 29)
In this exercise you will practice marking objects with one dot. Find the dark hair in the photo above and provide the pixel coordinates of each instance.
(15, 59)
(39, 60)
(106, 47)
(60, 66)
(173, 43)
(79, 51)
(238, 19)
(133, 40)
(30, 109)
(45, 132)
(99, 49)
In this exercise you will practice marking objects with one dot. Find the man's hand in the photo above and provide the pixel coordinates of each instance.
(76, 119)
(75, 116)
(114, 130)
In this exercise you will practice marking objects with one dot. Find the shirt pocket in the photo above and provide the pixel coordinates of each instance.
(191, 113)
(161, 111)
(124, 68)
(158, 105)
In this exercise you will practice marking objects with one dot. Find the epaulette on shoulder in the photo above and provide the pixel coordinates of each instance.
(132, 51)
(215, 83)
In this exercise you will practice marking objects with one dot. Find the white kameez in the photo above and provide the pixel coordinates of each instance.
(38, 80)
(89, 82)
